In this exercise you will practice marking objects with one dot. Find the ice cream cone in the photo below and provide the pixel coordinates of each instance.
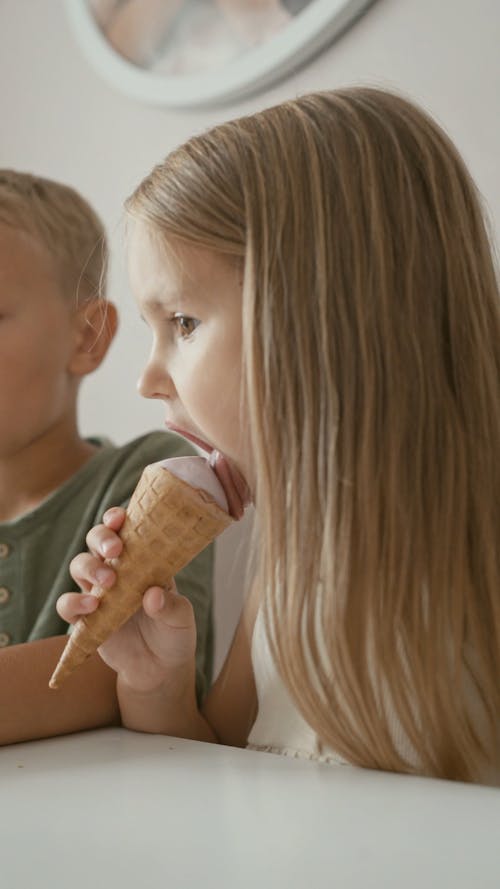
(168, 522)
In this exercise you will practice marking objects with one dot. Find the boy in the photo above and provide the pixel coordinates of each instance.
(55, 328)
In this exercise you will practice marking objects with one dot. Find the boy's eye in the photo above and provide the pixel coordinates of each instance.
(185, 325)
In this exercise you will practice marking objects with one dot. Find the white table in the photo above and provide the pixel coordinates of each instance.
(112, 808)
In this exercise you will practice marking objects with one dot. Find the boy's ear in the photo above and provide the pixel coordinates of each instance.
(96, 323)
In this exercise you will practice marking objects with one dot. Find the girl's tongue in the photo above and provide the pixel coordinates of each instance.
(235, 486)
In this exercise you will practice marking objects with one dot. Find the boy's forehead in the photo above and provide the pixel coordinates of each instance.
(22, 241)
(23, 255)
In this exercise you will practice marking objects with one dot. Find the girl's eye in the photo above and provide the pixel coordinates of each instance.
(185, 325)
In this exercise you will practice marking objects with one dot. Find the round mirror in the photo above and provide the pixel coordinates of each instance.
(188, 53)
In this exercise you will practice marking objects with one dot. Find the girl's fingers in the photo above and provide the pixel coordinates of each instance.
(153, 601)
(168, 607)
(168, 628)
(88, 570)
(71, 606)
(104, 542)
(114, 517)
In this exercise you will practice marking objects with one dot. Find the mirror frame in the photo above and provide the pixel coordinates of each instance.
(307, 33)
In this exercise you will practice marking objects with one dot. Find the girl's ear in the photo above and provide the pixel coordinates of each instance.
(96, 322)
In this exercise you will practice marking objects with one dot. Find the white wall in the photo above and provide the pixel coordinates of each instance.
(59, 119)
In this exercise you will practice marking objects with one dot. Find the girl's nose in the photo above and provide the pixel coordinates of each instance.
(155, 382)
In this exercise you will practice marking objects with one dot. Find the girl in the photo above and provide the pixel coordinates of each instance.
(325, 314)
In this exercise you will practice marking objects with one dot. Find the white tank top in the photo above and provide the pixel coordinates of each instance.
(279, 727)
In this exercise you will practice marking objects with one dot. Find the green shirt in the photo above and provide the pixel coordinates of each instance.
(37, 548)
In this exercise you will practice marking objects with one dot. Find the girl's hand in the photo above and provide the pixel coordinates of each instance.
(160, 638)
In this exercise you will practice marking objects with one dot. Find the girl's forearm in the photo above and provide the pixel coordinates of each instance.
(29, 709)
(167, 710)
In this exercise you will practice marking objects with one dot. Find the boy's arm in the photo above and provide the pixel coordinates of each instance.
(29, 709)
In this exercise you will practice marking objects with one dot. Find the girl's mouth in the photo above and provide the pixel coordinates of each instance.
(235, 487)
(199, 442)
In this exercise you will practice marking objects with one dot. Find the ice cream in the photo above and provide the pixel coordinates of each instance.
(177, 509)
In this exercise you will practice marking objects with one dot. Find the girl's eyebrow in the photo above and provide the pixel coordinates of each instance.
(159, 304)
(156, 305)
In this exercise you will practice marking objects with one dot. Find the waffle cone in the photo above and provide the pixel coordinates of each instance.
(168, 522)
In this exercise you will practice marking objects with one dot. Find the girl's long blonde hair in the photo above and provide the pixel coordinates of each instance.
(372, 387)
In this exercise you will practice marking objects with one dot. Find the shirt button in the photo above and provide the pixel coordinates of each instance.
(4, 550)
(4, 595)
(4, 640)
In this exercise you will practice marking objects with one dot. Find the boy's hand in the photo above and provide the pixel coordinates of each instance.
(158, 640)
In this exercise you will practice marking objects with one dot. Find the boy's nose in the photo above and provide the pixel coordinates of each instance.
(155, 382)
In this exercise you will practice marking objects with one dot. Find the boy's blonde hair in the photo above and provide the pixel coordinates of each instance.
(371, 318)
(64, 223)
